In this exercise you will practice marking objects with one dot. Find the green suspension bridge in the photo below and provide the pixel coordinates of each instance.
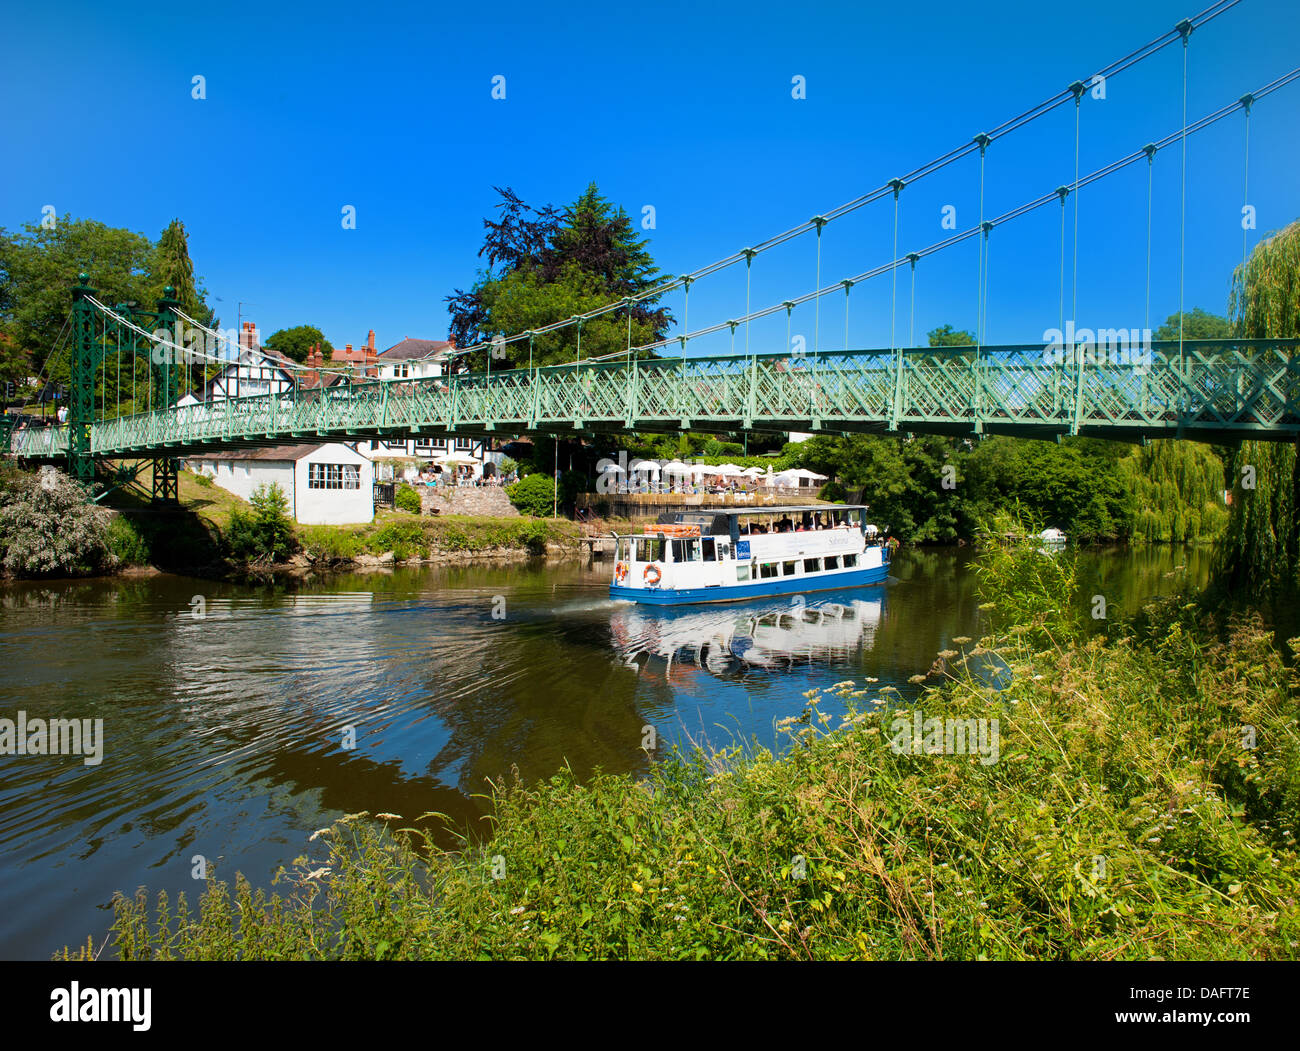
(1110, 383)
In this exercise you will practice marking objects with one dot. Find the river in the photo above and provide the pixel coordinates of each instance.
(229, 710)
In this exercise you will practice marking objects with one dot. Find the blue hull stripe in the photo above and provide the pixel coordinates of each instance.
(734, 593)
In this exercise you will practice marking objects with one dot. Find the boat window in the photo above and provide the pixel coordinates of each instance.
(724, 550)
(850, 561)
(832, 561)
(679, 550)
(789, 568)
(626, 549)
(649, 549)
(742, 571)
(710, 549)
(811, 565)
(767, 569)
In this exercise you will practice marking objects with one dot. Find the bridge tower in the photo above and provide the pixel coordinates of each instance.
(166, 471)
(89, 349)
(81, 393)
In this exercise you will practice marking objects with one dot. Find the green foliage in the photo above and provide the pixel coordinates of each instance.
(48, 527)
(38, 267)
(407, 499)
(533, 495)
(947, 336)
(714, 447)
(1030, 590)
(204, 480)
(404, 539)
(1096, 491)
(834, 492)
(1261, 548)
(298, 341)
(322, 543)
(547, 266)
(1176, 489)
(264, 534)
(1197, 324)
(126, 545)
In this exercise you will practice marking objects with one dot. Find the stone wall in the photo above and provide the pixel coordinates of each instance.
(490, 501)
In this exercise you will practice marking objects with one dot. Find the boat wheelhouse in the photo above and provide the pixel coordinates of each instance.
(722, 556)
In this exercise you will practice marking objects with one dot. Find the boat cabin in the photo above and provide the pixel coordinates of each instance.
(688, 554)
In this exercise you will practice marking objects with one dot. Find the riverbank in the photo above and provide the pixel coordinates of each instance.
(1139, 798)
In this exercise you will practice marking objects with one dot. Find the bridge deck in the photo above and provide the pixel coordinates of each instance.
(1212, 391)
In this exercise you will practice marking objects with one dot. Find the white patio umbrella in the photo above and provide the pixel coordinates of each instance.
(730, 469)
(456, 460)
(753, 472)
(645, 465)
(676, 467)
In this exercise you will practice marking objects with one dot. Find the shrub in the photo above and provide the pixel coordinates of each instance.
(533, 495)
(205, 480)
(48, 526)
(833, 492)
(407, 499)
(266, 533)
(126, 544)
(329, 543)
(403, 539)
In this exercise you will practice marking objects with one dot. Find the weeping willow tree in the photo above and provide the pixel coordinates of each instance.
(1261, 549)
(1176, 487)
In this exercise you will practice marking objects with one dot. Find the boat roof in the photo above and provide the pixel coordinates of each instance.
(783, 509)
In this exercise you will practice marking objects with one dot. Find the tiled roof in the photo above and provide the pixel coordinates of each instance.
(280, 453)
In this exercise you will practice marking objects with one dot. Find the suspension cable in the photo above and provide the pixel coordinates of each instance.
(1029, 206)
(1006, 128)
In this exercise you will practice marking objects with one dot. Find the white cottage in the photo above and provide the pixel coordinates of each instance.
(326, 484)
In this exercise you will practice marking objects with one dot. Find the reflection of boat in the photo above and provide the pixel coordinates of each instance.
(1052, 539)
(725, 556)
(757, 635)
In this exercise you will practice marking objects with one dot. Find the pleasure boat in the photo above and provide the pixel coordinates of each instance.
(722, 556)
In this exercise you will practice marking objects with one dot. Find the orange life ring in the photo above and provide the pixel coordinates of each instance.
(658, 574)
(620, 572)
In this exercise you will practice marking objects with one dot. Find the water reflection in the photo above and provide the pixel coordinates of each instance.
(830, 629)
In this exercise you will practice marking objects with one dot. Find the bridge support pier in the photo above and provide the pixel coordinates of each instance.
(166, 483)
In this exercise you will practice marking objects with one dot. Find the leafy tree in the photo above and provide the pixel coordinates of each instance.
(1197, 324)
(298, 341)
(1261, 549)
(947, 336)
(172, 267)
(39, 266)
(547, 265)
(1176, 488)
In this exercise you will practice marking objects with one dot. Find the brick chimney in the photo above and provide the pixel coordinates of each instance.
(370, 341)
(248, 336)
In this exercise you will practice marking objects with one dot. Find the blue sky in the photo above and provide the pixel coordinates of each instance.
(684, 107)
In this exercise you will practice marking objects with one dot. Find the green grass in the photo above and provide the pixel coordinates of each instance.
(1144, 804)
